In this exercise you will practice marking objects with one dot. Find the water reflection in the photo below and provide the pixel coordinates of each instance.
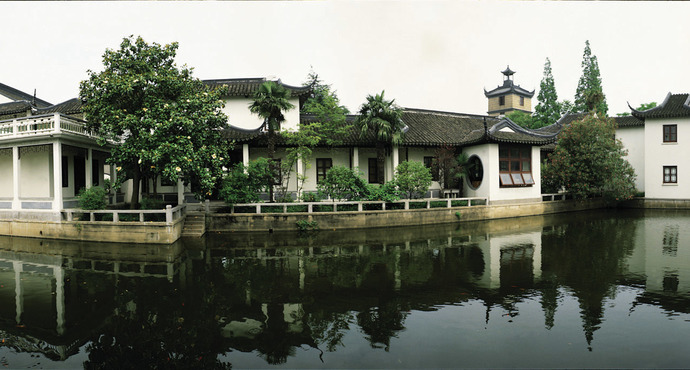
(203, 303)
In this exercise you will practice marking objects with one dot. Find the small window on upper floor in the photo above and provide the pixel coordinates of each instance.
(670, 133)
(522, 101)
(501, 100)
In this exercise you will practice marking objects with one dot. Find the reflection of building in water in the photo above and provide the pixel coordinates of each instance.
(662, 259)
(51, 292)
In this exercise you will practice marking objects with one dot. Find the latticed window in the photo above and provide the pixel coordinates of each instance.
(433, 167)
(373, 171)
(515, 165)
(322, 166)
(670, 174)
(670, 133)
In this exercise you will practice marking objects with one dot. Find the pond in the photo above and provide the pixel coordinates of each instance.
(589, 289)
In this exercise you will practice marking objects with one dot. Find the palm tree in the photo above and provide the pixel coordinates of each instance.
(269, 102)
(384, 118)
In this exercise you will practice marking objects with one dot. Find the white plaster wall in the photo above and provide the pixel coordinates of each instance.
(4, 99)
(659, 154)
(491, 186)
(633, 141)
(364, 155)
(35, 175)
(485, 153)
(340, 157)
(6, 174)
(237, 110)
(417, 155)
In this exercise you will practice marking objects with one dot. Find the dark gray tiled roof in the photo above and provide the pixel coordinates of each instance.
(247, 86)
(15, 94)
(628, 121)
(14, 107)
(508, 88)
(674, 106)
(426, 128)
(72, 106)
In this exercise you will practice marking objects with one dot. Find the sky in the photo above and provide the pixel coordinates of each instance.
(437, 55)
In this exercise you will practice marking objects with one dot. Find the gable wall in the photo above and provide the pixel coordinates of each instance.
(633, 141)
(237, 110)
(659, 154)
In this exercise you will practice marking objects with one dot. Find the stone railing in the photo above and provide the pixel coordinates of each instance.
(168, 215)
(327, 206)
(42, 125)
(555, 196)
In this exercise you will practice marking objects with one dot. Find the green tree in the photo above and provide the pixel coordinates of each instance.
(589, 96)
(566, 106)
(548, 109)
(523, 119)
(384, 119)
(327, 127)
(643, 106)
(589, 161)
(165, 121)
(244, 184)
(413, 178)
(269, 102)
(343, 183)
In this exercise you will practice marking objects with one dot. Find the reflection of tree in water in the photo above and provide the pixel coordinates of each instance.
(587, 257)
(156, 326)
(381, 323)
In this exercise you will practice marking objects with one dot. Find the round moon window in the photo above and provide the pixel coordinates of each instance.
(475, 172)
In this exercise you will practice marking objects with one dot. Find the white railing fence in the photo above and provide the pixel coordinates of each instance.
(171, 214)
(326, 206)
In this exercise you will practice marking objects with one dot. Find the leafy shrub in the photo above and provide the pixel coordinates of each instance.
(412, 179)
(311, 197)
(152, 203)
(92, 198)
(304, 225)
(458, 203)
(392, 206)
(243, 185)
(372, 206)
(347, 207)
(417, 205)
(386, 192)
(343, 183)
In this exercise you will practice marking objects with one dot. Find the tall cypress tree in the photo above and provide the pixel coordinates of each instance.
(548, 109)
(589, 95)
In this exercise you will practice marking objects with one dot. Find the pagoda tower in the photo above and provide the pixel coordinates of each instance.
(509, 97)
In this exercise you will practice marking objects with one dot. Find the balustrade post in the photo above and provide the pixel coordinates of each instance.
(448, 203)
(407, 204)
(258, 209)
(310, 208)
(116, 217)
(168, 214)
(56, 122)
(359, 207)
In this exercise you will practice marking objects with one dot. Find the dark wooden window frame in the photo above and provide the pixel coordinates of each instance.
(373, 171)
(431, 164)
(322, 166)
(515, 165)
(670, 133)
(501, 100)
(670, 175)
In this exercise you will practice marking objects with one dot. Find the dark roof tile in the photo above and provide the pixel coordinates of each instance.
(674, 106)
(72, 106)
(14, 107)
(247, 86)
(18, 95)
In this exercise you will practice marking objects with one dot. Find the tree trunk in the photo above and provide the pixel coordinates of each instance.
(136, 178)
(271, 154)
(380, 162)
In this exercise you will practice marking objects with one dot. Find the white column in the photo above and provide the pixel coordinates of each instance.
(355, 157)
(89, 168)
(113, 180)
(16, 205)
(57, 176)
(396, 159)
(245, 154)
(180, 191)
(300, 173)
